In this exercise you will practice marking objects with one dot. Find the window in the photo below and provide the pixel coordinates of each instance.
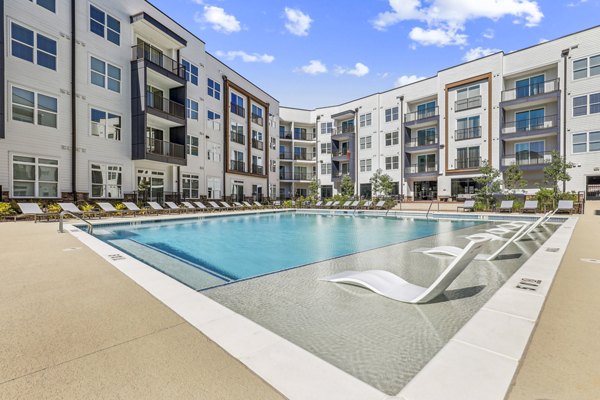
(105, 75)
(468, 92)
(595, 65)
(468, 128)
(365, 165)
(34, 108)
(326, 127)
(214, 152)
(106, 181)
(425, 137)
(33, 47)
(326, 169)
(257, 115)
(325, 148)
(237, 133)
(190, 184)
(530, 86)
(365, 120)
(426, 163)
(529, 153)
(191, 108)
(273, 166)
(192, 145)
(214, 187)
(391, 114)
(580, 67)
(34, 177)
(579, 106)
(365, 142)
(104, 25)
(467, 98)
(273, 143)
(237, 105)
(595, 103)
(467, 157)
(530, 120)
(191, 72)
(392, 162)
(391, 138)
(426, 110)
(104, 124)
(214, 89)
(49, 5)
(586, 142)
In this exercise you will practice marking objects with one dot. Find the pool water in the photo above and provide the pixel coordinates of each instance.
(231, 248)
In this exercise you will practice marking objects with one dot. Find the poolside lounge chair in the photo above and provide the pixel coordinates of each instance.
(133, 208)
(380, 205)
(367, 204)
(347, 204)
(237, 204)
(468, 205)
(328, 204)
(392, 286)
(354, 204)
(201, 206)
(335, 204)
(530, 206)
(73, 209)
(174, 207)
(247, 204)
(257, 204)
(564, 206)
(158, 208)
(227, 205)
(109, 209)
(277, 204)
(214, 205)
(318, 204)
(506, 205)
(189, 206)
(32, 209)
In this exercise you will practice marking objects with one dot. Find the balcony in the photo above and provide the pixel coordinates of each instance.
(296, 176)
(467, 163)
(237, 138)
(286, 135)
(547, 124)
(529, 91)
(286, 156)
(527, 160)
(239, 166)
(257, 119)
(340, 155)
(421, 116)
(238, 110)
(257, 169)
(473, 132)
(304, 156)
(338, 176)
(160, 150)
(467, 104)
(343, 130)
(165, 108)
(159, 62)
(304, 136)
(421, 169)
(257, 144)
(421, 143)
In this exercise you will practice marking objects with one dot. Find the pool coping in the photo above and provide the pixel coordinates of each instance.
(481, 359)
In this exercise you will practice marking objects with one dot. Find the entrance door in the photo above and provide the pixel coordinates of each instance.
(425, 190)
(237, 193)
(257, 192)
(151, 185)
(592, 191)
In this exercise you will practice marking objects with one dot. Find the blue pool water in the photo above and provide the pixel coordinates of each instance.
(239, 247)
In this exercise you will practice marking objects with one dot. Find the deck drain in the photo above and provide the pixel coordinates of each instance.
(116, 257)
(72, 248)
(552, 249)
(591, 260)
(529, 284)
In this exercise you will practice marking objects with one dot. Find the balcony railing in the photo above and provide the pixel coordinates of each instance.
(167, 106)
(417, 142)
(467, 163)
(257, 144)
(467, 104)
(342, 129)
(237, 138)
(238, 166)
(257, 119)
(304, 136)
(421, 168)
(257, 169)
(530, 124)
(286, 156)
(422, 114)
(304, 156)
(164, 148)
(341, 153)
(285, 135)
(296, 176)
(467, 133)
(531, 90)
(238, 110)
(527, 158)
(144, 51)
(339, 175)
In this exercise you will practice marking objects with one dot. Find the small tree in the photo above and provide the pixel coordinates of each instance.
(376, 181)
(556, 172)
(313, 189)
(513, 180)
(386, 184)
(489, 183)
(347, 186)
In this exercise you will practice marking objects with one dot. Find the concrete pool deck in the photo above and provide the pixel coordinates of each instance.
(116, 340)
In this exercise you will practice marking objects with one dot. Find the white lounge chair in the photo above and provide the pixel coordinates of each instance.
(318, 204)
(468, 205)
(189, 206)
(277, 204)
(109, 209)
(73, 209)
(133, 208)
(201, 206)
(215, 205)
(392, 286)
(347, 204)
(509, 228)
(328, 204)
(506, 205)
(367, 204)
(380, 204)
(157, 207)
(174, 207)
(227, 205)
(32, 209)
(354, 204)
(335, 204)
(237, 204)
(247, 204)
(564, 206)
(530, 205)
(257, 204)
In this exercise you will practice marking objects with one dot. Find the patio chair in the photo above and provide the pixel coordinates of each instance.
(468, 205)
(506, 206)
(335, 204)
(390, 285)
(257, 204)
(248, 205)
(215, 206)
(347, 204)
(109, 209)
(328, 204)
(158, 208)
(227, 206)
(32, 209)
(174, 207)
(189, 206)
(318, 204)
(201, 206)
(354, 204)
(380, 205)
(133, 208)
(564, 206)
(73, 209)
(277, 204)
(367, 204)
(530, 206)
(510, 227)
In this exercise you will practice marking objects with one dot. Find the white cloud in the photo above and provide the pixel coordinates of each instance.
(314, 67)
(359, 70)
(245, 57)
(542, 40)
(576, 3)
(478, 52)
(383, 75)
(218, 19)
(297, 23)
(406, 79)
(446, 20)
(489, 34)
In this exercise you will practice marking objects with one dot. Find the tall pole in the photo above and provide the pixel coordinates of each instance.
(565, 55)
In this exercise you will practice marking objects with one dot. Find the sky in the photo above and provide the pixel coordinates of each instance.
(315, 53)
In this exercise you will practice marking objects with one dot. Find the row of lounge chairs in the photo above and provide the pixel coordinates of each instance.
(350, 204)
(529, 206)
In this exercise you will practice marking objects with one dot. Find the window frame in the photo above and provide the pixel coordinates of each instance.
(106, 127)
(215, 89)
(35, 49)
(190, 177)
(105, 75)
(190, 146)
(365, 120)
(393, 112)
(394, 136)
(104, 24)
(36, 181)
(392, 163)
(189, 72)
(190, 111)
(37, 2)
(36, 110)
(105, 169)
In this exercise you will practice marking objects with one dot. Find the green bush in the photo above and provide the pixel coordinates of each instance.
(120, 206)
(545, 198)
(6, 209)
(518, 205)
(479, 206)
(287, 204)
(568, 196)
(86, 207)
(54, 208)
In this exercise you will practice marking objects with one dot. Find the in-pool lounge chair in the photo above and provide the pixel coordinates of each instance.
(73, 209)
(530, 206)
(390, 285)
(32, 209)
(468, 205)
(506, 206)
(510, 227)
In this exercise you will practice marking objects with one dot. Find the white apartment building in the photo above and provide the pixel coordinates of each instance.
(105, 98)
(432, 136)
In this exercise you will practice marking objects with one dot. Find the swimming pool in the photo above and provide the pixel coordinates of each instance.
(207, 252)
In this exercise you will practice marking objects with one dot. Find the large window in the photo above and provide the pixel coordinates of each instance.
(237, 105)
(214, 152)
(237, 133)
(325, 148)
(192, 145)
(586, 142)
(467, 157)
(391, 114)
(106, 181)
(214, 89)
(34, 108)
(326, 127)
(257, 115)
(191, 72)
(392, 138)
(392, 162)
(365, 120)
(530, 119)
(326, 169)
(190, 185)
(214, 187)
(468, 128)
(424, 137)
(104, 25)
(467, 98)
(529, 153)
(426, 110)
(581, 103)
(33, 47)
(365, 142)
(49, 5)
(426, 163)
(105, 124)
(191, 108)
(365, 165)
(584, 67)
(105, 75)
(34, 177)
(530, 86)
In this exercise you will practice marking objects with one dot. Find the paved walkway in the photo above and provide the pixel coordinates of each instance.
(73, 327)
(563, 358)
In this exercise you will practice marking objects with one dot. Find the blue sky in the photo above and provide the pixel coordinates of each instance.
(314, 53)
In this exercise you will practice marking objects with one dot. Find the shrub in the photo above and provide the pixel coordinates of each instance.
(6, 209)
(545, 198)
(287, 204)
(518, 205)
(54, 208)
(568, 196)
(86, 207)
(120, 206)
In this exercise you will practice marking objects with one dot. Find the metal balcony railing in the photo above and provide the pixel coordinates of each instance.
(466, 163)
(238, 110)
(286, 156)
(531, 124)
(257, 119)
(257, 169)
(304, 156)
(421, 114)
(421, 168)
(164, 148)
(531, 90)
(167, 106)
(527, 158)
(341, 153)
(304, 136)
(467, 133)
(238, 166)
(285, 135)
(341, 129)
(144, 51)
(257, 144)
(424, 141)
(468, 103)
(237, 138)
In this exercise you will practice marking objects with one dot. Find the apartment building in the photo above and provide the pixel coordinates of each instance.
(433, 135)
(113, 100)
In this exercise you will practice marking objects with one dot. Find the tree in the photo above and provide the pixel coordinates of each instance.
(556, 172)
(381, 183)
(376, 182)
(489, 183)
(347, 186)
(513, 180)
(313, 189)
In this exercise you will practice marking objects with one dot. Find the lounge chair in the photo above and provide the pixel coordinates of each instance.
(506, 205)
(347, 204)
(468, 205)
(335, 204)
(510, 227)
(133, 208)
(530, 206)
(380, 205)
(257, 204)
(227, 205)
(367, 204)
(277, 204)
(392, 286)
(237, 204)
(158, 208)
(328, 204)
(215, 206)
(354, 204)
(201, 206)
(73, 209)
(174, 207)
(318, 204)
(564, 206)
(32, 209)
(109, 209)
(247, 204)
(189, 206)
